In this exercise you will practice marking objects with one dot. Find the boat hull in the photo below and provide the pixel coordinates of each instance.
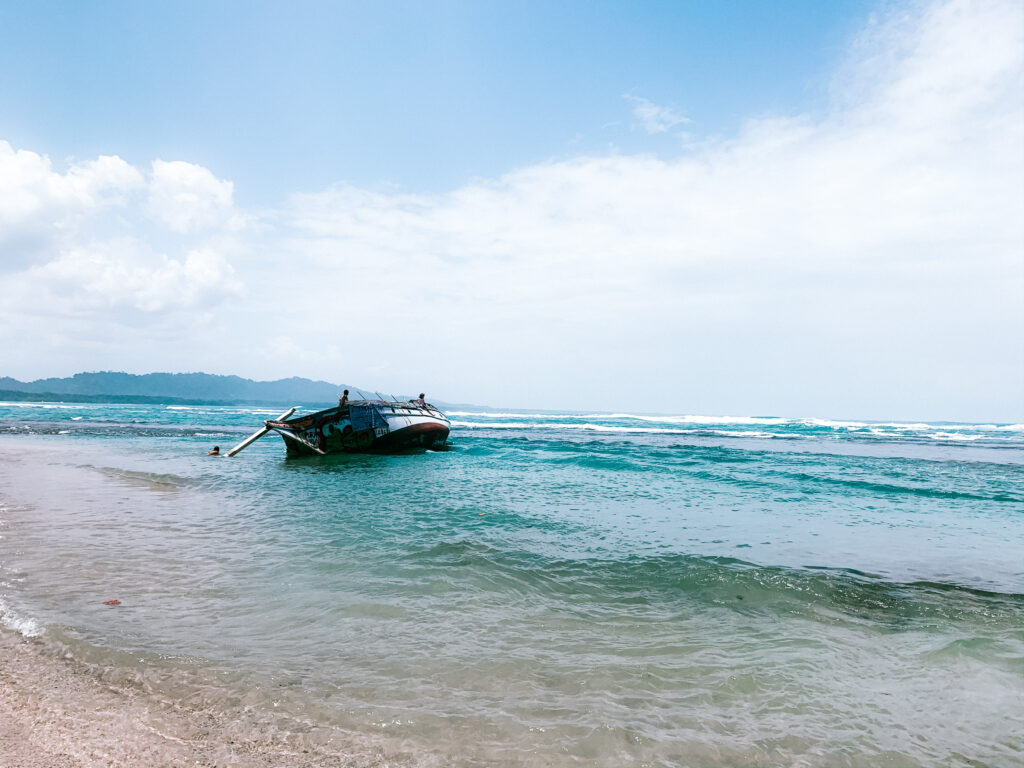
(364, 427)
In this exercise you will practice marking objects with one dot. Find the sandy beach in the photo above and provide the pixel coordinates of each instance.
(55, 712)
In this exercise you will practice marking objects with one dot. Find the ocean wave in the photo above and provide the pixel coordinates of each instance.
(46, 406)
(134, 429)
(874, 431)
(669, 431)
(618, 429)
(153, 480)
(495, 424)
(953, 436)
(510, 415)
(691, 419)
(653, 418)
(709, 420)
(215, 409)
(896, 488)
(832, 424)
(793, 428)
(26, 626)
(848, 424)
(608, 582)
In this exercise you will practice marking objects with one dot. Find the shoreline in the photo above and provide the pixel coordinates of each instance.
(45, 721)
(58, 708)
(43, 726)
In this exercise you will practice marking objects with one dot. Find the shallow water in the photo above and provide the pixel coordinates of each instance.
(554, 589)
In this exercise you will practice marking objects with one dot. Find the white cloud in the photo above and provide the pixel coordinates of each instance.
(38, 204)
(188, 197)
(653, 117)
(29, 186)
(127, 274)
(77, 244)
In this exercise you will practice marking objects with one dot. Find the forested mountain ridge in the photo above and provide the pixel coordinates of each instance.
(204, 387)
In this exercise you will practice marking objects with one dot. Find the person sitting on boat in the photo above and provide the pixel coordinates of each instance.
(215, 451)
(419, 400)
(343, 400)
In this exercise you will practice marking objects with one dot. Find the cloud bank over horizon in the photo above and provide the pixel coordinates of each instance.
(865, 261)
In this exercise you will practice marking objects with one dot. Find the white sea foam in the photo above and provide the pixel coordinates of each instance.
(664, 419)
(645, 430)
(756, 421)
(916, 426)
(706, 425)
(953, 436)
(498, 415)
(832, 424)
(220, 409)
(495, 424)
(907, 426)
(506, 419)
(714, 420)
(47, 406)
(589, 427)
(11, 620)
(693, 419)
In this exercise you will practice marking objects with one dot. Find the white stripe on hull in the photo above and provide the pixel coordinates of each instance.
(397, 421)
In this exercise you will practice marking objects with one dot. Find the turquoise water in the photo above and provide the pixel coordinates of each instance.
(554, 589)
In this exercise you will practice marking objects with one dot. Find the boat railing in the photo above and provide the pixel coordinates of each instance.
(395, 406)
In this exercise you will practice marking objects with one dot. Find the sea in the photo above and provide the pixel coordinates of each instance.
(554, 589)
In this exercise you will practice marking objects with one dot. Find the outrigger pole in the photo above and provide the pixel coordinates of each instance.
(257, 435)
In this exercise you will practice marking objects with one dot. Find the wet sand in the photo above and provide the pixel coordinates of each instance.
(53, 712)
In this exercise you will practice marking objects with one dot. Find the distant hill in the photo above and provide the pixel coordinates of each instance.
(202, 388)
(187, 389)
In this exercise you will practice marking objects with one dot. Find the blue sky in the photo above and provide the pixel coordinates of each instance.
(297, 96)
(799, 209)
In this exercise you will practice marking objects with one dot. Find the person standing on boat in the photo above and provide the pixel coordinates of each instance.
(419, 400)
(343, 400)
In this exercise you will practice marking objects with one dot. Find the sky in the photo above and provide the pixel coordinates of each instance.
(730, 208)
